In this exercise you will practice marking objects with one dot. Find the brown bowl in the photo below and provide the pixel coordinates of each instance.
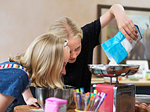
(105, 70)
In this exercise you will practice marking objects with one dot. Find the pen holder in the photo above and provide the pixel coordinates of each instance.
(84, 111)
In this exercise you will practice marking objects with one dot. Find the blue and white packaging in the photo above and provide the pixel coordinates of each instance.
(118, 47)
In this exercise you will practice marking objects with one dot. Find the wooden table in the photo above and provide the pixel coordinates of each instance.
(27, 108)
(140, 82)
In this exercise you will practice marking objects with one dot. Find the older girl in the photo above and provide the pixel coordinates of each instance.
(82, 42)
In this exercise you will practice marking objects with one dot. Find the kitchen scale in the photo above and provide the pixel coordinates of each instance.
(120, 97)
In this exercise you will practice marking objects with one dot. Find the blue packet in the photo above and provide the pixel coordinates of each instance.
(118, 47)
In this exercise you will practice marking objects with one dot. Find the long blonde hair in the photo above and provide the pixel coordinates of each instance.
(44, 60)
(65, 27)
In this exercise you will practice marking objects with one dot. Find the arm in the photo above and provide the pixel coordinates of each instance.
(29, 99)
(125, 24)
(5, 101)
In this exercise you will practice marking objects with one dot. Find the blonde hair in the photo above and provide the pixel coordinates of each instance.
(65, 27)
(44, 60)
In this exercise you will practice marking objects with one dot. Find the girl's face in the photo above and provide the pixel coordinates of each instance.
(66, 59)
(75, 48)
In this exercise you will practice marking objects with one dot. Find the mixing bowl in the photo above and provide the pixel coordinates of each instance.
(43, 93)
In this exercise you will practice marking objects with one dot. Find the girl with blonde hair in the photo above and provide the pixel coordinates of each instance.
(44, 61)
(82, 42)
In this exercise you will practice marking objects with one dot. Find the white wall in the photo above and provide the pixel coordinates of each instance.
(22, 20)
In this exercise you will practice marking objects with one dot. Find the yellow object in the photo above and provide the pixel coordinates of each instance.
(147, 75)
(84, 111)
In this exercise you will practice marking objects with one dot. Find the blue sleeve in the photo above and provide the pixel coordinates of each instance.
(13, 81)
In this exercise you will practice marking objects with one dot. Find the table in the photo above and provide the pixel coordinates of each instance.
(140, 82)
(142, 85)
(27, 108)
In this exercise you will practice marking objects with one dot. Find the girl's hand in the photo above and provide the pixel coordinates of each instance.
(32, 101)
(125, 24)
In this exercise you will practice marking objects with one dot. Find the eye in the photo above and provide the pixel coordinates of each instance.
(77, 48)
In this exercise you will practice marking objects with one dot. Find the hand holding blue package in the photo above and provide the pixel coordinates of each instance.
(118, 47)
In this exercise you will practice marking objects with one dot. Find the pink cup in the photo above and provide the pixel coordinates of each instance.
(53, 104)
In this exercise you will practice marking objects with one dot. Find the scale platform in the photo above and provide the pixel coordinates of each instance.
(120, 97)
(105, 70)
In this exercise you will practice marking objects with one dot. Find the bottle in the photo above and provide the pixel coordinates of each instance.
(118, 47)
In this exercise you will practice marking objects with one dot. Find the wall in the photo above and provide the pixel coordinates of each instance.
(22, 20)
